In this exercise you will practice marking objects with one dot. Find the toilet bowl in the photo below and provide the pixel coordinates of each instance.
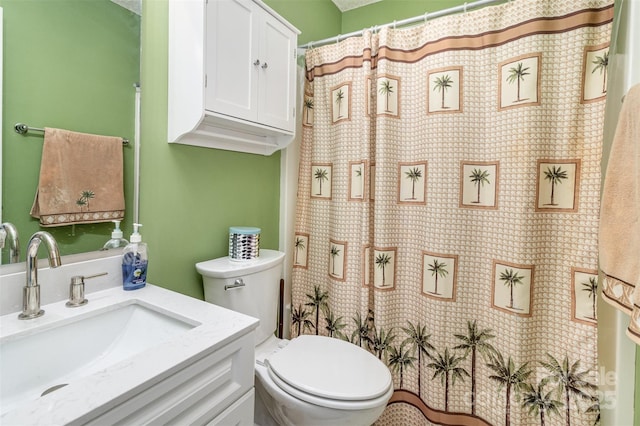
(316, 380)
(309, 380)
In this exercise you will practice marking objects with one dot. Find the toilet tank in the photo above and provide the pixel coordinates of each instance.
(249, 287)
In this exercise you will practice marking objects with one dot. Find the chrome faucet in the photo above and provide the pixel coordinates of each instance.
(8, 230)
(31, 291)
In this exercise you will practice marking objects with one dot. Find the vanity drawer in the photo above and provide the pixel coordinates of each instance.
(240, 412)
(195, 394)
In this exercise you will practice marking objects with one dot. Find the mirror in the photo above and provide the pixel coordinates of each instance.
(71, 64)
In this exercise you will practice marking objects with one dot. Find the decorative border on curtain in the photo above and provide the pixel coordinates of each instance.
(548, 25)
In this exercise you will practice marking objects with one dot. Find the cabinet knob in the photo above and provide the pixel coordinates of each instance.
(264, 66)
(257, 62)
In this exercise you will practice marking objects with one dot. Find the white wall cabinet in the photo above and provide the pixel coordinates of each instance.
(232, 75)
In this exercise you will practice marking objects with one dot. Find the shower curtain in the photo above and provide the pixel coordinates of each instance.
(447, 213)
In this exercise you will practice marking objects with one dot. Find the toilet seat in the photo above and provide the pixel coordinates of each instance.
(330, 372)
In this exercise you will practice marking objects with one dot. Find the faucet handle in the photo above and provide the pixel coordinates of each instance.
(76, 290)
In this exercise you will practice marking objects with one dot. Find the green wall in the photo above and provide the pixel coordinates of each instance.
(317, 19)
(191, 195)
(70, 64)
(387, 11)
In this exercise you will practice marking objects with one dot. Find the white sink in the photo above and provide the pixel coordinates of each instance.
(46, 358)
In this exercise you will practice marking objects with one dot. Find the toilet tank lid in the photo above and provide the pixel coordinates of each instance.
(223, 267)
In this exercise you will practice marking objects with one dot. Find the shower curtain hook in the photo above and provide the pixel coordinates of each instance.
(394, 24)
(426, 17)
(465, 7)
(338, 38)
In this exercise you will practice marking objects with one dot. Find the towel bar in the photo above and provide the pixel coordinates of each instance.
(23, 128)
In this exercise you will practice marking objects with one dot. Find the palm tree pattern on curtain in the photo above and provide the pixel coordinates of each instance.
(511, 279)
(437, 269)
(596, 72)
(308, 110)
(591, 287)
(448, 366)
(339, 100)
(540, 403)
(555, 176)
(299, 245)
(414, 176)
(528, 359)
(601, 65)
(517, 74)
(386, 90)
(479, 177)
(442, 84)
(321, 175)
(382, 261)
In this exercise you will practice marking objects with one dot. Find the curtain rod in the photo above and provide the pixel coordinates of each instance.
(408, 21)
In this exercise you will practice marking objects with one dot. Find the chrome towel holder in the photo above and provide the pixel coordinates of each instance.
(23, 129)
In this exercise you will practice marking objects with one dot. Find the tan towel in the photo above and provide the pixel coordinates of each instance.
(620, 216)
(81, 179)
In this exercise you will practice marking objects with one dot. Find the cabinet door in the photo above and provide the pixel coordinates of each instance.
(232, 41)
(277, 75)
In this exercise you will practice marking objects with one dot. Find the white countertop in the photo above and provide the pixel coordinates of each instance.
(109, 387)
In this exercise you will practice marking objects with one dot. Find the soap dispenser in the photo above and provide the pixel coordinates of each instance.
(116, 240)
(134, 262)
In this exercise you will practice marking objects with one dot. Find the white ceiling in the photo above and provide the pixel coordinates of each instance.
(345, 5)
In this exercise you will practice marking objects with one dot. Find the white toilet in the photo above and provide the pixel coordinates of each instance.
(310, 380)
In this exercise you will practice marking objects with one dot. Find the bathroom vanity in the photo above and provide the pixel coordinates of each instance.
(145, 356)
